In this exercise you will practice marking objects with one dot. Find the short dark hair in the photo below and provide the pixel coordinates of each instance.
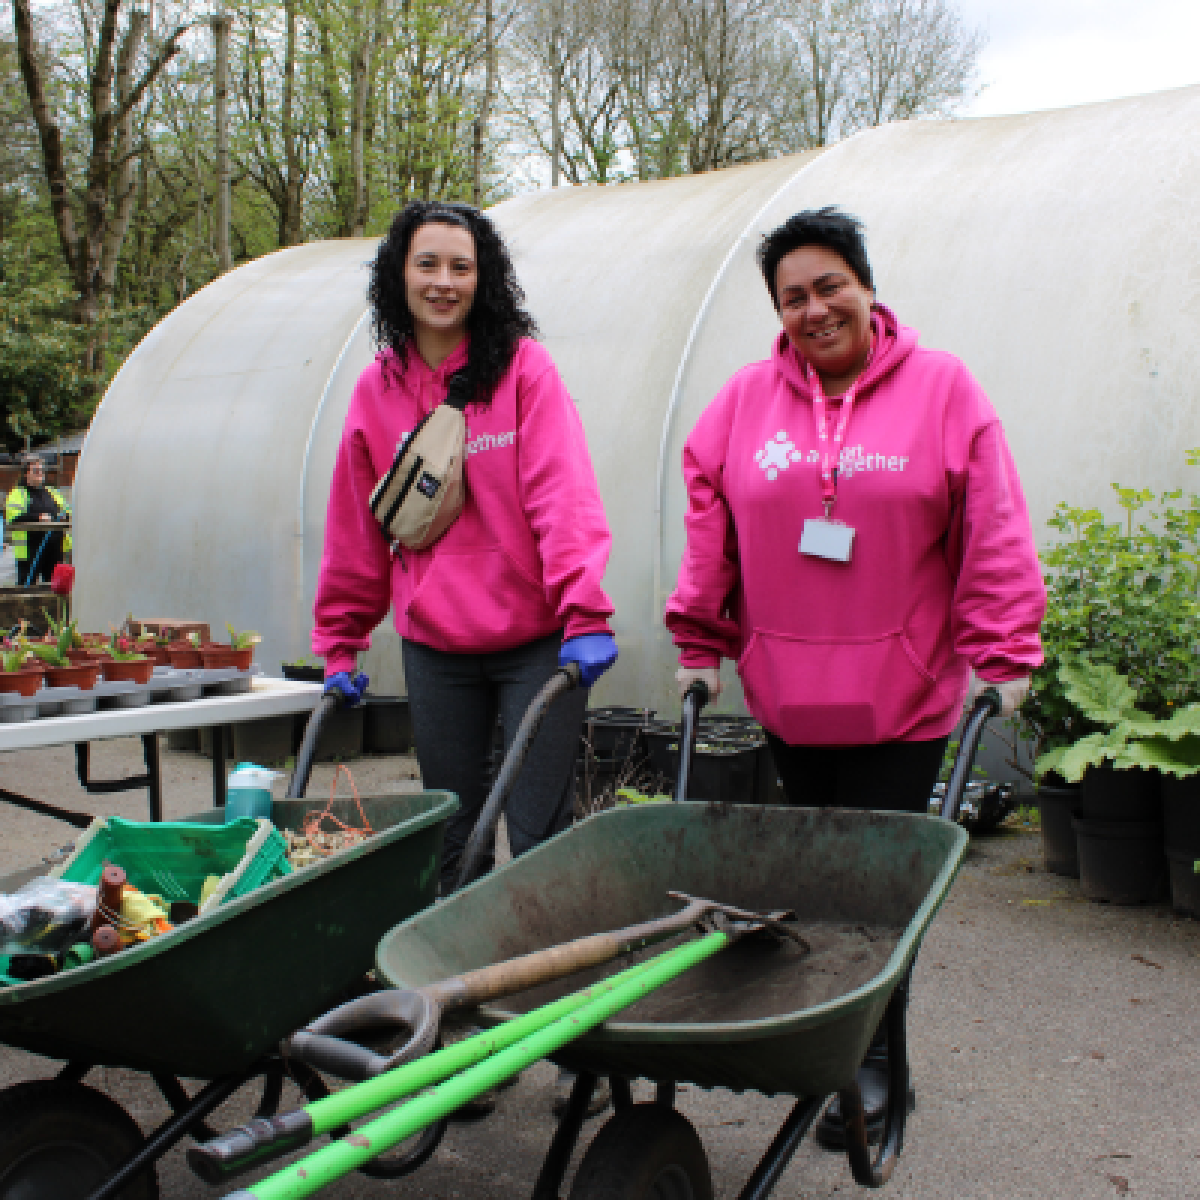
(497, 320)
(828, 227)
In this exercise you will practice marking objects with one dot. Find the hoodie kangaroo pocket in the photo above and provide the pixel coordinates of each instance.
(834, 691)
(477, 599)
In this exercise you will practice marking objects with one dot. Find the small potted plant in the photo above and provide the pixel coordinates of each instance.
(304, 670)
(16, 673)
(185, 654)
(239, 653)
(154, 647)
(61, 671)
(126, 663)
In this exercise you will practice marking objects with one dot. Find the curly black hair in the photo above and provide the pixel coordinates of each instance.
(497, 320)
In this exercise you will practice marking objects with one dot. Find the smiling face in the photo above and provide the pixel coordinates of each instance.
(440, 277)
(826, 313)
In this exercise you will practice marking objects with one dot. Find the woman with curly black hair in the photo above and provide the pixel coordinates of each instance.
(512, 589)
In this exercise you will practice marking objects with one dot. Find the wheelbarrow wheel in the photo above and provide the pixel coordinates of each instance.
(645, 1152)
(61, 1141)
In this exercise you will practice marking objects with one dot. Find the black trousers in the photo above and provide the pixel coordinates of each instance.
(896, 776)
(455, 699)
(51, 555)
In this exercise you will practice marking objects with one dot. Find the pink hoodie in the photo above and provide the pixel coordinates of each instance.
(526, 555)
(943, 576)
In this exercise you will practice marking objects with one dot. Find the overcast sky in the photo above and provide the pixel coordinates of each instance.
(1053, 53)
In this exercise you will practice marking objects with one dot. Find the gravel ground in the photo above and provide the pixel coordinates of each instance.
(1055, 1043)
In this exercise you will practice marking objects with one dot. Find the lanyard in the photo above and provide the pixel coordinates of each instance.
(831, 446)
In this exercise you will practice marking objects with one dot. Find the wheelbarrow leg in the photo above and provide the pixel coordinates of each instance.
(558, 1157)
(783, 1146)
(868, 1173)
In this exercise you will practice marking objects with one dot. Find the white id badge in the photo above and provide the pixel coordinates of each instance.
(827, 539)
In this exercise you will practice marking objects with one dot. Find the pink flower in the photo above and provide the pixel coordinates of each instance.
(62, 580)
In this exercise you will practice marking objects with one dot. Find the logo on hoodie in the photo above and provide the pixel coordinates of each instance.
(777, 455)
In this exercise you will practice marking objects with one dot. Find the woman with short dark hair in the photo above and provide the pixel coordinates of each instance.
(857, 541)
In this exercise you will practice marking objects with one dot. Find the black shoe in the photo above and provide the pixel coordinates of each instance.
(565, 1083)
(872, 1080)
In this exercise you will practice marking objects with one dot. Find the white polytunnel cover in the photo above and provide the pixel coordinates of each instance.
(1056, 253)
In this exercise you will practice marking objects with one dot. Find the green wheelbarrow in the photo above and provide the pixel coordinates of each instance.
(866, 886)
(208, 1001)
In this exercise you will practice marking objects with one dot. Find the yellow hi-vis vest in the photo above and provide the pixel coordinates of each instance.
(15, 505)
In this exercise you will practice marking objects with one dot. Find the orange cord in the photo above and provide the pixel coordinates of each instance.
(312, 822)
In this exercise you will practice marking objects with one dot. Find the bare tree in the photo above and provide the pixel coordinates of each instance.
(90, 213)
(915, 58)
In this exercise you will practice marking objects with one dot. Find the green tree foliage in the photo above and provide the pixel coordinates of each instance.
(341, 110)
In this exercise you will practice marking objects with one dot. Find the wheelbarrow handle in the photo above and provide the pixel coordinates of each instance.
(695, 698)
(986, 706)
(327, 706)
(565, 679)
(328, 1044)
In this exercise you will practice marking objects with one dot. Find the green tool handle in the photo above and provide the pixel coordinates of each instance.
(339, 1158)
(266, 1138)
(353, 1103)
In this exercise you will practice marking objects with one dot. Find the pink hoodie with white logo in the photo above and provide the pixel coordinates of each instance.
(943, 576)
(525, 557)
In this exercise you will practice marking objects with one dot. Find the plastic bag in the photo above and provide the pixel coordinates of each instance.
(46, 915)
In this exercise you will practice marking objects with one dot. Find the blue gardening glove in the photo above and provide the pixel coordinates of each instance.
(349, 687)
(594, 652)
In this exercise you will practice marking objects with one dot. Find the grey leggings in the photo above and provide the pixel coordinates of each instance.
(454, 699)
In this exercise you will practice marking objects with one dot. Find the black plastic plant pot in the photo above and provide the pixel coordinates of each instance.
(387, 725)
(299, 674)
(1059, 807)
(724, 773)
(1121, 862)
(1185, 883)
(661, 739)
(1107, 794)
(616, 735)
(1181, 814)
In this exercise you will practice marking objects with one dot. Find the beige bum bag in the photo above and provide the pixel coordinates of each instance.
(423, 491)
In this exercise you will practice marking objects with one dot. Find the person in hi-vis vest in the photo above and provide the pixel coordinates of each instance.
(32, 500)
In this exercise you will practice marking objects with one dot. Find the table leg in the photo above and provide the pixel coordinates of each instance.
(219, 734)
(154, 775)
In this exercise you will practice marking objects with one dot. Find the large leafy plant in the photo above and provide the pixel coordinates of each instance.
(1121, 594)
(1126, 736)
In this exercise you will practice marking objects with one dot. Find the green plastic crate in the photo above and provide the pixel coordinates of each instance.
(172, 859)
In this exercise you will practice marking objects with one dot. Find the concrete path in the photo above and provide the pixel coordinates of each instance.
(1055, 1043)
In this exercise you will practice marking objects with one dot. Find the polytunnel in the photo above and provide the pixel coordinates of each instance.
(1056, 253)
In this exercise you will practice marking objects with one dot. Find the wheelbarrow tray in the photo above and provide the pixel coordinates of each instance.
(219, 991)
(746, 1019)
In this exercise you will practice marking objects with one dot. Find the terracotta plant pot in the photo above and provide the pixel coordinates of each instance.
(24, 682)
(159, 655)
(80, 675)
(183, 655)
(137, 670)
(216, 655)
(87, 656)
